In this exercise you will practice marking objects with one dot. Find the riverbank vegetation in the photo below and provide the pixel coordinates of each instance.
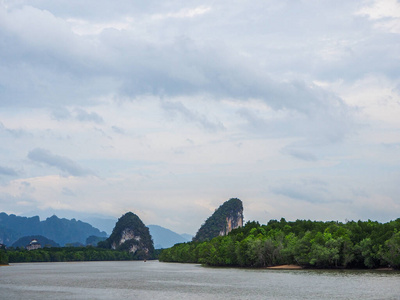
(312, 244)
(62, 254)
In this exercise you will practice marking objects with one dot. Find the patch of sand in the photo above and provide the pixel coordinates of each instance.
(286, 267)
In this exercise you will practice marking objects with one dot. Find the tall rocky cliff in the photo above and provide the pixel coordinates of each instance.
(227, 217)
(132, 235)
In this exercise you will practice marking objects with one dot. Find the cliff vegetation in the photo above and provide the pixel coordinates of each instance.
(227, 217)
(130, 234)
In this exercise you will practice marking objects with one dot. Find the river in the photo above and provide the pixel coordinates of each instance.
(154, 280)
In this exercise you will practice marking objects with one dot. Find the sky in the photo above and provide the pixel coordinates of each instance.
(170, 108)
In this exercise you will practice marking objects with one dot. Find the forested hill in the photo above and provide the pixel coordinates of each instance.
(43, 241)
(62, 231)
(314, 244)
(227, 217)
(130, 234)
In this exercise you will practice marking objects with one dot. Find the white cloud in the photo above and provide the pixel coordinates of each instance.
(386, 13)
(184, 13)
(180, 106)
(381, 9)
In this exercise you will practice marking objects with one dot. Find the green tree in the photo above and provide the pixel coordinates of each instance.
(368, 254)
(391, 251)
(3, 257)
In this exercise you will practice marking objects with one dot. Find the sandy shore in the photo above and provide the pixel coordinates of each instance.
(286, 267)
(295, 267)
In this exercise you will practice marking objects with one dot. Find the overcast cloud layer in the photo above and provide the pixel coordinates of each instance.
(169, 109)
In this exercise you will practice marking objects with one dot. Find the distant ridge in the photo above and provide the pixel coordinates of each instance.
(165, 238)
(187, 236)
(62, 231)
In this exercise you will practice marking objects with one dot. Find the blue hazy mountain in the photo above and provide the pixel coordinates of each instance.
(187, 236)
(62, 231)
(165, 238)
(162, 237)
(102, 222)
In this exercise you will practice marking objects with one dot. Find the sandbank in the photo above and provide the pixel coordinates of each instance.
(286, 267)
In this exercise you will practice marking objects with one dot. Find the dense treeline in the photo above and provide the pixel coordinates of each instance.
(61, 254)
(305, 243)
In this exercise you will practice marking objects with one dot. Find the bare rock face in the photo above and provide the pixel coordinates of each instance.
(227, 217)
(126, 235)
(132, 235)
(232, 222)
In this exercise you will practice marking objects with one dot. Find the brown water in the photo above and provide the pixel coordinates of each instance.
(155, 280)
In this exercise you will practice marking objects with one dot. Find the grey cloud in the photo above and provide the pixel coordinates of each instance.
(68, 192)
(64, 164)
(300, 154)
(123, 63)
(178, 67)
(133, 62)
(321, 128)
(313, 191)
(118, 130)
(178, 107)
(220, 73)
(254, 120)
(392, 146)
(17, 133)
(93, 9)
(44, 63)
(60, 113)
(102, 133)
(8, 171)
(84, 116)
(26, 187)
(296, 193)
(15, 203)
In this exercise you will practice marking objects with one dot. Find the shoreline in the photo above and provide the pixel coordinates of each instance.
(285, 267)
(296, 267)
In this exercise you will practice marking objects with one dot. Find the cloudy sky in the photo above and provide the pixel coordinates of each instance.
(170, 108)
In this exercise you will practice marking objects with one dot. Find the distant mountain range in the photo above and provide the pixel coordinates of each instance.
(64, 231)
(165, 238)
(103, 223)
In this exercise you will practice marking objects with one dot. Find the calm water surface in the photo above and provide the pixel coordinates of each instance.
(155, 280)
